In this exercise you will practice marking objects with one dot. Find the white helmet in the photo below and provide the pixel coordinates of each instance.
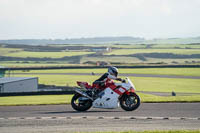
(113, 71)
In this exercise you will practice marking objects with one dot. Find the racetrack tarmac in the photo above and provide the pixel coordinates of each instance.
(62, 118)
(145, 110)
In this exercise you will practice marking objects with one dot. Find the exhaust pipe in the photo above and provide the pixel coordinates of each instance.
(83, 94)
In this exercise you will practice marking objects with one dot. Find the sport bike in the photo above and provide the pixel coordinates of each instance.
(111, 97)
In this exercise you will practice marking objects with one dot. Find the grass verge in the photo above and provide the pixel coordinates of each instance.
(66, 99)
(148, 98)
(35, 100)
(176, 131)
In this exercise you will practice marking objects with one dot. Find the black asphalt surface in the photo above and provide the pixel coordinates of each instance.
(145, 110)
(122, 74)
(63, 119)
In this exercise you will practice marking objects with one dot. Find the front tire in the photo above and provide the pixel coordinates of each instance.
(130, 102)
(80, 105)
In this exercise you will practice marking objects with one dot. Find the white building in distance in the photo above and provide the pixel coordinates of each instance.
(18, 84)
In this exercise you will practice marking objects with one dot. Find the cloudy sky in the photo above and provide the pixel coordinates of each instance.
(25, 19)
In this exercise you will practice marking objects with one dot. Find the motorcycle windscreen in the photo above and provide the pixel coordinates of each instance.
(131, 83)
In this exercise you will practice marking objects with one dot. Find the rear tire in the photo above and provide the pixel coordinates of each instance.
(80, 105)
(130, 102)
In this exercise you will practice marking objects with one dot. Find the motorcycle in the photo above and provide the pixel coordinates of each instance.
(111, 97)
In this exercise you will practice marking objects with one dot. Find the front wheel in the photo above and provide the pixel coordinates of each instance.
(130, 102)
(80, 103)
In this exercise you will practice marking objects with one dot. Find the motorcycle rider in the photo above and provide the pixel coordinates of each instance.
(107, 78)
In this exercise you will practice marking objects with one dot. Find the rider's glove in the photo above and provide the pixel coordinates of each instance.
(123, 81)
(102, 84)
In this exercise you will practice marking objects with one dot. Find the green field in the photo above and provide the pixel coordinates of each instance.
(176, 46)
(129, 46)
(121, 50)
(167, 84)
(33, 64)
(164, 71)
(136, 51)
(47, 54)
(119, 60)
(155, 71)
(172, 131)
(171, 61)
(4, 51)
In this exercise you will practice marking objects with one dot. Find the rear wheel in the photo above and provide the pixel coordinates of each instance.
(130, 102)
(80, 103)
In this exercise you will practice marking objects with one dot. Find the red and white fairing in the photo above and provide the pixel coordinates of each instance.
(109, 96)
